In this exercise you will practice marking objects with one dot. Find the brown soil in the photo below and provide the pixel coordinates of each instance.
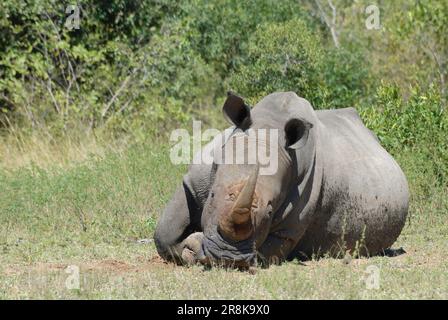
(141, 264)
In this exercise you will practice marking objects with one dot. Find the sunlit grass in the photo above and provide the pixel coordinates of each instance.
(92, 213)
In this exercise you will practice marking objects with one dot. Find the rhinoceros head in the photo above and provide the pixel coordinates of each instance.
(243, 198)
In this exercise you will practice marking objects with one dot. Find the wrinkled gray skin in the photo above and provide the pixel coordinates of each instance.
(335, 189)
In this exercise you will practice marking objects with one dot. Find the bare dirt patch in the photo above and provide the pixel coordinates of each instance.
(141, 264)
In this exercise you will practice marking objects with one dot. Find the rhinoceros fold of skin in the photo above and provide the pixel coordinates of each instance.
(335, 190)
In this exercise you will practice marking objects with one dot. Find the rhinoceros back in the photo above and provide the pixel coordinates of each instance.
(364, 200)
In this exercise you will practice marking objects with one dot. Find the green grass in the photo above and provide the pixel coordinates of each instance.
(91, 215)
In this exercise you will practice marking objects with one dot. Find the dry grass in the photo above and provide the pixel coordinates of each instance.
(40, 149)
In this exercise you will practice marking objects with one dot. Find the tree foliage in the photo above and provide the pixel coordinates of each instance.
(291, 57)
(144, 67)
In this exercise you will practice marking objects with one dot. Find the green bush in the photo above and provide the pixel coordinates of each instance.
(346, 78)
(280, 57)
(129, 64)
(291, 57)
(120, 70)
(172, 82)
(224, 26)
(417, 125)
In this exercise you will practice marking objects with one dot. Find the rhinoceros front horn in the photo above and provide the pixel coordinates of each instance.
(241, 209)
(237, 224)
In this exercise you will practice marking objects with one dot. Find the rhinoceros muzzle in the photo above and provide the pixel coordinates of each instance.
(231, 241)
(224, 251)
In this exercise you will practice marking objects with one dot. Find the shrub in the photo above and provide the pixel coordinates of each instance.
(290, 57)
(418, 125)
(346, 77)
(172, 81)
(280, 57)
(224, 26)
(119, 67)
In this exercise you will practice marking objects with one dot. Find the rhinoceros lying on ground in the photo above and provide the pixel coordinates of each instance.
(335, 189)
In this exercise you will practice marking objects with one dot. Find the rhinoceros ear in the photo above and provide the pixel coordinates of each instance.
(296, 133)
(236, 111)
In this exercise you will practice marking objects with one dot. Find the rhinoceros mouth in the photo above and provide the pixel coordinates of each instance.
(224, 251)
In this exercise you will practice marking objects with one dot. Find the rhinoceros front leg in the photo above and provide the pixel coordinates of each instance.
(191, 247)
(177, 236)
